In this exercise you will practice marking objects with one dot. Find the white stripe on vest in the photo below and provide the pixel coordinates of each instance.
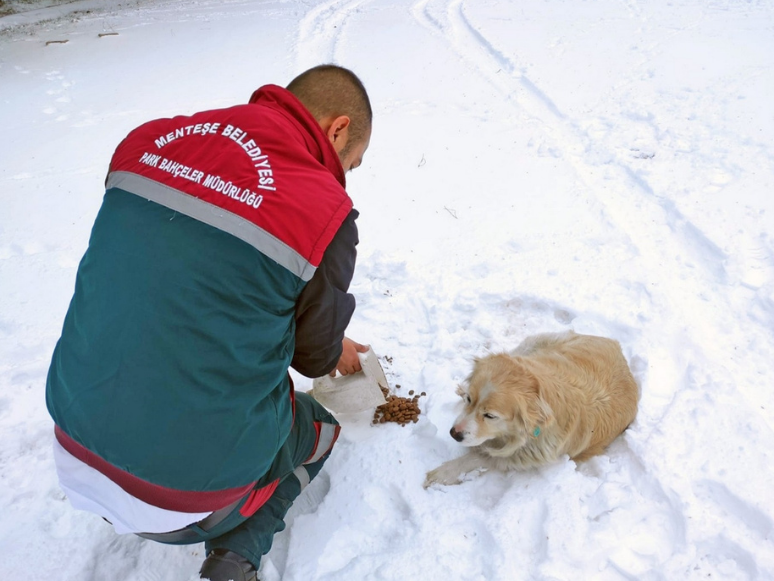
(214, 216)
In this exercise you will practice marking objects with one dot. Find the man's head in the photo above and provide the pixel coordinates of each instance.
(338, 100)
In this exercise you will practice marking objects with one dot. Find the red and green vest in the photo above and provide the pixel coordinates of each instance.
(171, 372)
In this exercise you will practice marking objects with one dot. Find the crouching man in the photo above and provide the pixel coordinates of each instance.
(221, 255)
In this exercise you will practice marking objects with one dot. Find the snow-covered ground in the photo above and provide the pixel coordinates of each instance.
(602, 166)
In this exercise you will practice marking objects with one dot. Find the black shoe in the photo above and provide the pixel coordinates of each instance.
(225, 565)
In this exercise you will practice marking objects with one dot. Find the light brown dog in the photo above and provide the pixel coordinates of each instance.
(555, 394)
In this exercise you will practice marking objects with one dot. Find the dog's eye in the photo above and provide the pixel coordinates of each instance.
(467, 398)
(490, 416)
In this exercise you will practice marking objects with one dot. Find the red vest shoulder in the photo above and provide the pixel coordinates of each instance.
(256, 171)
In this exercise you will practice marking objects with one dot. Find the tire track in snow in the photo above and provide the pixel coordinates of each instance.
(320, 31)
(471, 45)
(482, 54)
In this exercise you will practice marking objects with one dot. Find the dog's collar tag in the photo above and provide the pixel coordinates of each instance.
(536, 433)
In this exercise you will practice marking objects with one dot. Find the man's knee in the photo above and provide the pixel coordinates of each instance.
(326, 429)
(305, 403)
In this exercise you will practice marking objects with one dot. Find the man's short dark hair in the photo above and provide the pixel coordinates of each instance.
(331, 91)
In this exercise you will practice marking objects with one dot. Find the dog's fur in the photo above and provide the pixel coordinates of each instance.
(555, 394)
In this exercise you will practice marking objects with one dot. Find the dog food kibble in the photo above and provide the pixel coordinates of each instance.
(400, 410)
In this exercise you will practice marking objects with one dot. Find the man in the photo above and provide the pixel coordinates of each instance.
(221, 256)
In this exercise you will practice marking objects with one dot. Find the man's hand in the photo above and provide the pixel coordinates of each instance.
(349, 362)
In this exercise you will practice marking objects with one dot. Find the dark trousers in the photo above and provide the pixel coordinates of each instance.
(252, 536)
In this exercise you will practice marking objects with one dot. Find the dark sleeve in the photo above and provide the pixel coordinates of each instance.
(325, 307)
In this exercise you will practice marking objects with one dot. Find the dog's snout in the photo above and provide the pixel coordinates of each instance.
(456, 435)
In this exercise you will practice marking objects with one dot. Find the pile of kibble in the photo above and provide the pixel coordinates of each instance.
(400, 410)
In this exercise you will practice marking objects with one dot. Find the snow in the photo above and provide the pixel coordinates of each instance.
(601, 166)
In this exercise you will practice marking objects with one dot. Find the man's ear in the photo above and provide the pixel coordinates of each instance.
(337, 130)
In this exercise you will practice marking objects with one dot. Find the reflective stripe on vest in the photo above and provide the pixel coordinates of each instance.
(213, 216)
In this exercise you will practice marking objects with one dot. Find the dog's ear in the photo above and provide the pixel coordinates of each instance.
(539, 410)
(544, 415)
(461, 387)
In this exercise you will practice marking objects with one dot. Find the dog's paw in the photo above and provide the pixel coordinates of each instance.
(442, 475)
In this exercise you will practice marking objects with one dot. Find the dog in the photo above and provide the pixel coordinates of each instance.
(556, 394)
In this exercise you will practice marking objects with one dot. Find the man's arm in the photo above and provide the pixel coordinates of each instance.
(325, 307)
